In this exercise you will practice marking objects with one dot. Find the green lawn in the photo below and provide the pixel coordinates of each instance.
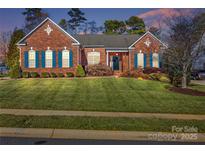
(95, 123)
(102, 94)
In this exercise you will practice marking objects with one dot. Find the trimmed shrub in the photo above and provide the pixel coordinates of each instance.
(164, 79)
(154, 76)
(140, 78)
(45, 75)
(80, 71)
(60, 75)
(25, 74)
(53, 75)
(125, 74)
(14, 72)
(99, 70)
(34, 74)
(69, 74)
(149, 70)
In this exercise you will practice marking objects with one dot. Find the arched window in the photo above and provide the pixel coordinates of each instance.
(31, 58)
(140, 60)
(93, 58)
(155, 59)
(66, 58)
(49, 58)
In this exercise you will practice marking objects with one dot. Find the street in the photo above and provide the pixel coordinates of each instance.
(48, 141)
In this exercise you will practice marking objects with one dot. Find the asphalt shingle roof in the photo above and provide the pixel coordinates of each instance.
(107, 41)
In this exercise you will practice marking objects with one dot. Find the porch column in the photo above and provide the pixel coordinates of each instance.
(107, 58)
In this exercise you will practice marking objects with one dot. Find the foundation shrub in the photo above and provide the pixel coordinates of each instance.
(60, 75)
(149, 70)
(25, 75)
(69, 74)
(34, 74)
(80, 71)
(99, 70)
(53, 75)
(45, 75)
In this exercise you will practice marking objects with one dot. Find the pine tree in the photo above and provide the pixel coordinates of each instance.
(77, 18)
(33, 17)
(63, 24)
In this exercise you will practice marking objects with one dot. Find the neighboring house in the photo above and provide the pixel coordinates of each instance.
(199, 64)
(49, 48)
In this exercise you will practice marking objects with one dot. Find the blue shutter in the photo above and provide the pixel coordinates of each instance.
(159, 60)
(136, 60)
(36, 59)
(60, 59)
(151, 63)
(43, 59)
(26, 59)
(71, 58)
(54, 59)
(145, 60)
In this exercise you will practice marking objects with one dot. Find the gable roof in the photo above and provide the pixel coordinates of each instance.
(148, 32)
(107, 41)
(21, 42)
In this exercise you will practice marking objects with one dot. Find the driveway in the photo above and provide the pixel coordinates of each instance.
(200, 82)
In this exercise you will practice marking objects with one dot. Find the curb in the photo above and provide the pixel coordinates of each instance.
(101, 134)
(30, 112)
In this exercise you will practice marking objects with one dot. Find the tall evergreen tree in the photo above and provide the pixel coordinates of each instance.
(33, 17)
(114, 27)
(76, 19)
(135, 25)
(63, 24)
(12, 57)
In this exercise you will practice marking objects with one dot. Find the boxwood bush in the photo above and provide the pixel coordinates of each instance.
(61, 75)
(69, 74)
(34, 74)
(45, 75)
(25, 74)
(53, 75)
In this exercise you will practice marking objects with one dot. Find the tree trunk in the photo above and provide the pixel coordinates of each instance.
(184, 80)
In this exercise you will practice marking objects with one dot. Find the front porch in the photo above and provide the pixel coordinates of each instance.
(118, 60)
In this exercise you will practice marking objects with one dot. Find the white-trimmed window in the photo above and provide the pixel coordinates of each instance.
(65, 58)
(32, 58)
(49, 58)
(155, 60)
(140, 60)
(93, 58)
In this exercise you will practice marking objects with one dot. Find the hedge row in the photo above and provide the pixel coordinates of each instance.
(46, 75)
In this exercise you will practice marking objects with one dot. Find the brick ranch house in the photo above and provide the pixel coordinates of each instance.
(49, 48)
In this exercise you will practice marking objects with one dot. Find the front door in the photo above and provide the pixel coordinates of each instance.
(115, 60)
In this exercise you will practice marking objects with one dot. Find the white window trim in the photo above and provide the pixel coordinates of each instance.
(155, 64)
(48, 51)
(140, 60)
(29, 54)
(93, 58)
(68, 59)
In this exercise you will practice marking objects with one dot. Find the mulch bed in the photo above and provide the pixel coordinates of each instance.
(187, 91)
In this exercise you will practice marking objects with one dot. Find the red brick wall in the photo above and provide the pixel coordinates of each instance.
(57, 40)
(154, 47)
(84, 52)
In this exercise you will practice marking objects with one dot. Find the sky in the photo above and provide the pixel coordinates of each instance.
(11, 18)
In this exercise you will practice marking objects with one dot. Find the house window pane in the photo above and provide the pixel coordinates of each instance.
(49, 58)
(31, 57)
(65, 58)
(140, 60)
(155, 59)
(93, 58)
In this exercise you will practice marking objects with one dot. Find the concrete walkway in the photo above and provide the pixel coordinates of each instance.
(99, 134)
(28, 112)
